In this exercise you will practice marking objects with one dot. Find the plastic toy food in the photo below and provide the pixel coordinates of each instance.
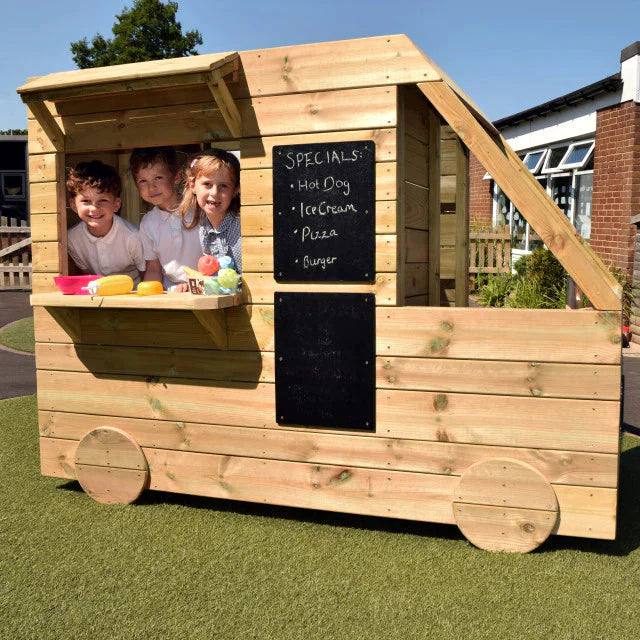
(149, 288)
(74, 285)
(110, 286)
(226, 262)
(228, 279)
(208, 265)
(192, 273)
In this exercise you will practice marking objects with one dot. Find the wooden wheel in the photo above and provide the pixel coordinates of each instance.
(110, 466)
(505, 505)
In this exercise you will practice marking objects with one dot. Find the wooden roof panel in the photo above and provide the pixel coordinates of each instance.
(124, 72)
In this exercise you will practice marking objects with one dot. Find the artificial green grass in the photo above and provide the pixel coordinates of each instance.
(19, 335)
(173, 566)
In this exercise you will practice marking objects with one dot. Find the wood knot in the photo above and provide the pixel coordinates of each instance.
(446, 326)
(527, 527)
(438, 345)
(440, 402)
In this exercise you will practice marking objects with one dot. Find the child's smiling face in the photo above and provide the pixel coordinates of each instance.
(158, 186)
(96, 209)
(214, 192)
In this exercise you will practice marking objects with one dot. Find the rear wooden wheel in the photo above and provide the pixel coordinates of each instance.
(505, 505)
(110, 466)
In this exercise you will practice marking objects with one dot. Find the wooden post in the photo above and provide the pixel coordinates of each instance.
(462, 226)
(434, 208)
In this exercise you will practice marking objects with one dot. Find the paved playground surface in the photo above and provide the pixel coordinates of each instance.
(17, 369)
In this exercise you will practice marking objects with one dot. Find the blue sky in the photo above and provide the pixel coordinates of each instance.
(507, 55)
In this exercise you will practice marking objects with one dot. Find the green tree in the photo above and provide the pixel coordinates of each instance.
(146, 31)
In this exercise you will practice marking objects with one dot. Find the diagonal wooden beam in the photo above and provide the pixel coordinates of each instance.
(529, 198)
(48, 124)
(224, 100)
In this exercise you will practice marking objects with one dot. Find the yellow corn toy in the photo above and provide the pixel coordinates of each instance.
(149, 288)
(110, 286)
(192, 273)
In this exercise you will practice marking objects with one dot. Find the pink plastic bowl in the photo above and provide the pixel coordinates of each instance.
(72, 285)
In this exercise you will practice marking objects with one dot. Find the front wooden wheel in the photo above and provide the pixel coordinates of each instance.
(110, 466)
(505, 505)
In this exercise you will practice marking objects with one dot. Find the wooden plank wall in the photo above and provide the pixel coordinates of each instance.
(454, 386)
(415, 157)
(454, 221)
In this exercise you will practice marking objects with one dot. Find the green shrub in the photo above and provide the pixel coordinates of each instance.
(544, 267)
(540, 283)
(495, 290)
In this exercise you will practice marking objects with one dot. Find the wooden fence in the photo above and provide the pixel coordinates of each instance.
(490, 251)
(15, 254)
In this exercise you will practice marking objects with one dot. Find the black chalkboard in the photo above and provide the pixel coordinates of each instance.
(325, 359)
(324, 212)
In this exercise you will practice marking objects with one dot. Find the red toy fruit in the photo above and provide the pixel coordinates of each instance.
(208, 265)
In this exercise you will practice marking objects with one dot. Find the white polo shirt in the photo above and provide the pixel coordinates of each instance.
(166, 240)
(119, 252)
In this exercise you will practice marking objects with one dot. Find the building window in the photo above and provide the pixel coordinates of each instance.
(566, 173)
(577, 155)
(534, 159)
(554, 158)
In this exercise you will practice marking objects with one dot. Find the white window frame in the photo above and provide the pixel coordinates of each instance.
(577, 165)
(545, 166)
(544, 151)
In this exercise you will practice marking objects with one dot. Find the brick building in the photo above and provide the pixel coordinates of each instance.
(584, 148)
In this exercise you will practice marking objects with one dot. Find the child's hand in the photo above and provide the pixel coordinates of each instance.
(180, 288)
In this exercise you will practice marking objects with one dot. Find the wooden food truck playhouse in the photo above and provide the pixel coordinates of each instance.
(336, 380)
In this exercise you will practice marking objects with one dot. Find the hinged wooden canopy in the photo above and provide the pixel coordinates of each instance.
(348, 64)
(142, 76)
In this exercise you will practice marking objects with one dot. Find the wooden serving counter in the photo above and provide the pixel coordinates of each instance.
(184, 301)
(208, 310)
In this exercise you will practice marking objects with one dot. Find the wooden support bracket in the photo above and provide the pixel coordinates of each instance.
(214, 322)
(224, 100)
(48, 124)
(69, 319)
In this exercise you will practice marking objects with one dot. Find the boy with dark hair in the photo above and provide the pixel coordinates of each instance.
(102, 242)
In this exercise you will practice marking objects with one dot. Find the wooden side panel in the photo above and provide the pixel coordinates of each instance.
(468, 418)
(522, 335)
(416, 175)
(326, 447)
(426, 497)
(197, 122)
(500, 334)
(389, 60)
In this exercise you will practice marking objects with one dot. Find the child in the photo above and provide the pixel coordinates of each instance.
(168, 245)
(102, 242)
(212, 200)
